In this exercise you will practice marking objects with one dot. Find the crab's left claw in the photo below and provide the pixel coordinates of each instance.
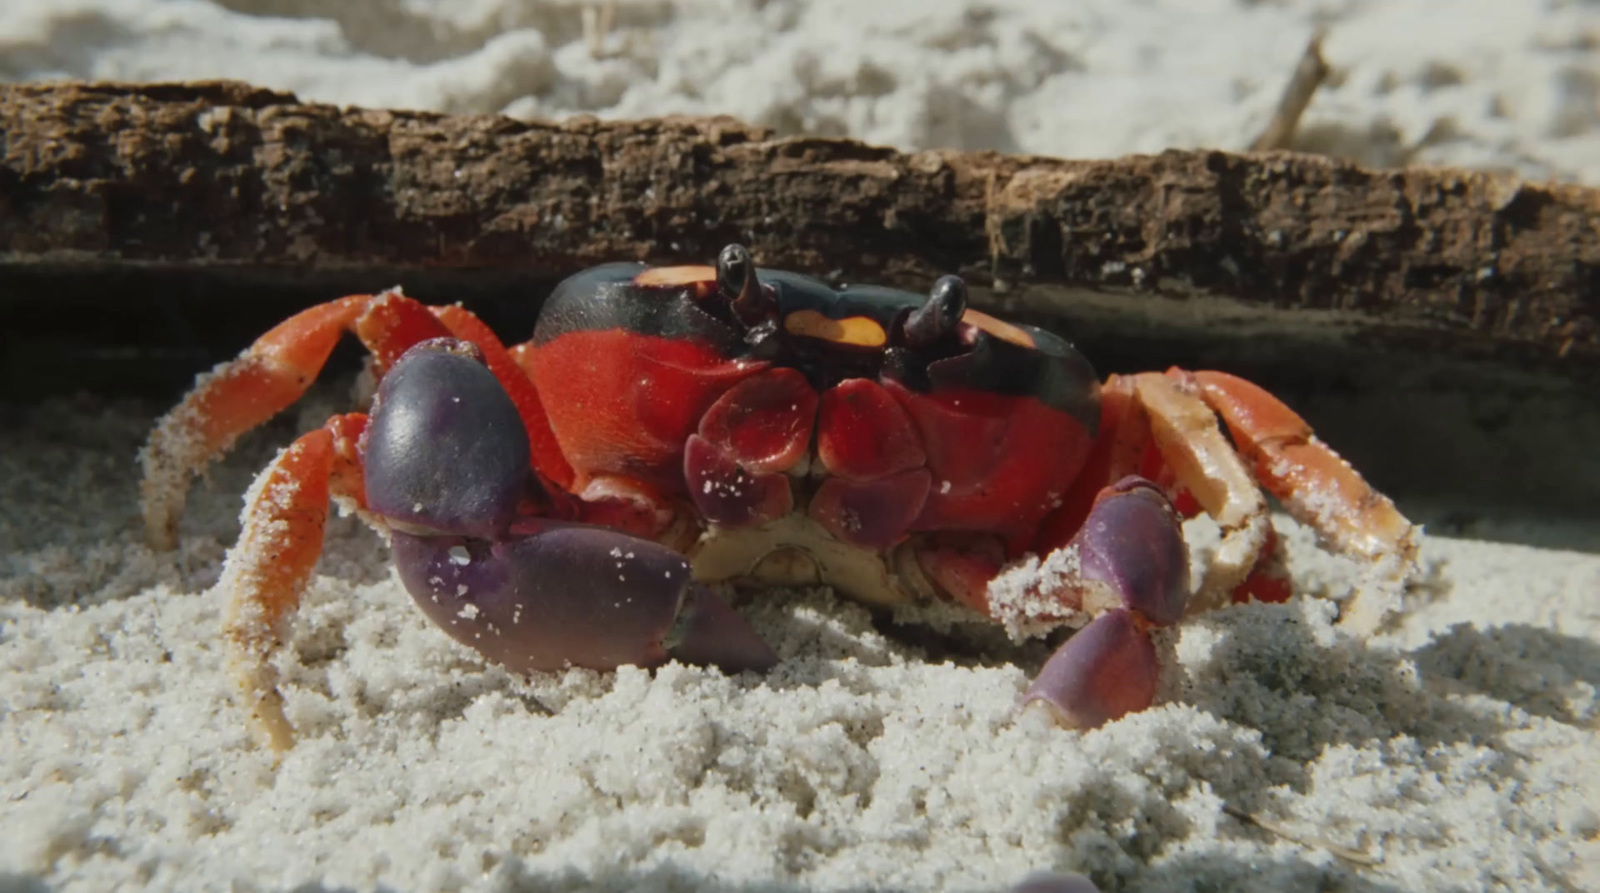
(446, 467)
(574, 595)
(1129, 567)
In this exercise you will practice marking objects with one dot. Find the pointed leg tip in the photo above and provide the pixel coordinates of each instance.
(160, 534)
(278, 732)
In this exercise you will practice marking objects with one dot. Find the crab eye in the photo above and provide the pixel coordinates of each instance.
(937, 318)
(736, 279)
(734, 270)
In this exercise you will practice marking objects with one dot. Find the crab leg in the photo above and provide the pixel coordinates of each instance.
(280, 366)
(1272, 448)
(231, 399)
(1157, 427)
(1315, 485)
(1205, 464)
(268, 569)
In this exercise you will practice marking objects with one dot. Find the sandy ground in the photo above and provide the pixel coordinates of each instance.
(1455, 751)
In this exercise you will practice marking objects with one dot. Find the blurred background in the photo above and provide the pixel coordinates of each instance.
(1499, 84)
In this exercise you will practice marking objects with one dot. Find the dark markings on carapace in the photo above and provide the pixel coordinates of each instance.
(613, 296)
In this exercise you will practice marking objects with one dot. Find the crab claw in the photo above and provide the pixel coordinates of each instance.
(446, 451)
(1105, 671)
(446, 467)
(1133, 571)
(573, 595)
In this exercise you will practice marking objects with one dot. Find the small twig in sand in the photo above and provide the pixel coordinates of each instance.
(598, 20)
(1308, 76)
(1355, 857)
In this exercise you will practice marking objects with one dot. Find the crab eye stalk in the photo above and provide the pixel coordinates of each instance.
(736, 279)
(938, 318)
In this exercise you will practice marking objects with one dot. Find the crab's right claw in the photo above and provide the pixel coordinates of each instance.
(1133, 572)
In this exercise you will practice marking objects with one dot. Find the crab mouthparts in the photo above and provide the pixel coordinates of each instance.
(794, 550)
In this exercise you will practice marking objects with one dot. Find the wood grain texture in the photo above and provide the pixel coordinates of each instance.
(218, 176)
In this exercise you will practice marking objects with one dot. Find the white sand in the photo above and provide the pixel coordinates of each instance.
(1456, 757)
(1456, 752)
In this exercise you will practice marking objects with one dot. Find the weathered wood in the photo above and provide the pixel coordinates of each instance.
(220, 175)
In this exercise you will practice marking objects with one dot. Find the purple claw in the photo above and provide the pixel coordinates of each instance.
(573, 596)
(446, 450)
(1132, 543)
(1105, 671)
(708, 631)
(1134, 567)
(447, 463)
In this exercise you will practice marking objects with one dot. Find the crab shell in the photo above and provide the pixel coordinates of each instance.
(899, 447)
(565, 502)
(827, 429)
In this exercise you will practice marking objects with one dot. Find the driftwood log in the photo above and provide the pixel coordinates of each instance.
(214, 176)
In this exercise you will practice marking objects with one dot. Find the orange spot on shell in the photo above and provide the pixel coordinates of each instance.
(667, 277)
(857, 331)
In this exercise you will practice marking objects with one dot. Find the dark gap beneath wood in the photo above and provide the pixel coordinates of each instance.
(1461, 443)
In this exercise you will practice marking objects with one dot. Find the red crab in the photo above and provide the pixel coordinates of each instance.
(563, 502)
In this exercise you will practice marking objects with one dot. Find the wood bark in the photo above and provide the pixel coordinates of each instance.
(220, 176)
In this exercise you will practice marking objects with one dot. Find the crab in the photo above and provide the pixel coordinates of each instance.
(570, 501)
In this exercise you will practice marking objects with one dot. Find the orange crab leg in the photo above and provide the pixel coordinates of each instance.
(1314, 484)
(1203, 463)
(390, 324)
(280, 366)
(522, 355)
(268, 569)
(547, 458)
(1158, 427)
(1269, 579)
(231, 399)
